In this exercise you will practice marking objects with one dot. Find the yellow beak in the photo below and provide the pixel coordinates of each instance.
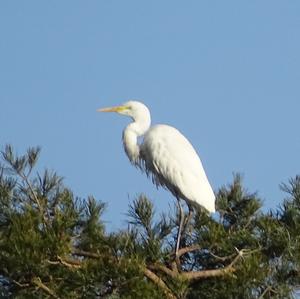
(112, 109)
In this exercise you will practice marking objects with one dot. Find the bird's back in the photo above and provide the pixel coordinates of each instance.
(174, 164)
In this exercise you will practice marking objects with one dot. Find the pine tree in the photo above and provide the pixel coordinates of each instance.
(54, 245)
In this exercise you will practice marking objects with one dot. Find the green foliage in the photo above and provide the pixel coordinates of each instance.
(54, 245)
(146, 237)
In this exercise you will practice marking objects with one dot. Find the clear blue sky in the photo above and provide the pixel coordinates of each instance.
(226, 73)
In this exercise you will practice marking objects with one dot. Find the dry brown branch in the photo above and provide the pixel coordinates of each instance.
(37, 281)
(214, 272)
(185, 250)
(70, 263)
(176, 265)
(21, 285)
(207, 273)
(217, 272)
(195, 275)
(223, 258)
(164, 269)
(160, 283)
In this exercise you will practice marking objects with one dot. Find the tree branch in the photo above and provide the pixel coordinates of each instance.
(21, 285)
(223, 258)
(176, 263)
(160, 283)
(147, 272)
(207, 273)
(217, 272)
(37, 281)
(193, 275)
(185, 250)
(159, 267)
(70, 263)
(196, 275)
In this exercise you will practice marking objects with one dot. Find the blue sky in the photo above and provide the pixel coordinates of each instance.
(225, 73)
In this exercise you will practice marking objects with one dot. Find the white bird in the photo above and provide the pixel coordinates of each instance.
(167, 156)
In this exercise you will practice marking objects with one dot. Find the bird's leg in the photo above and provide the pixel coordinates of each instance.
(189, 216)
(181, 220)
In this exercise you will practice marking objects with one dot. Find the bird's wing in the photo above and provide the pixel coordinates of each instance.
(175, 164)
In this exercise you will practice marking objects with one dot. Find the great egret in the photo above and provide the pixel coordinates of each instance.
(167, 156)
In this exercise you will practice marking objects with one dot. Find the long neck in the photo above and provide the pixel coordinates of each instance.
(130, 137)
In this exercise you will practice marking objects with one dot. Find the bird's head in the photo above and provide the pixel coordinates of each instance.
(133, 109)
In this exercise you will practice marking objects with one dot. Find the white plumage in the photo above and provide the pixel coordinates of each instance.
(176, 165)
(166, 155)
